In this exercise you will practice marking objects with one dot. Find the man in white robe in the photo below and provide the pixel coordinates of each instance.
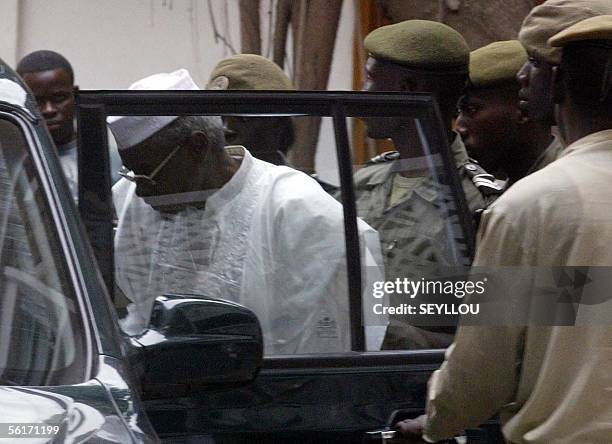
(195, 217)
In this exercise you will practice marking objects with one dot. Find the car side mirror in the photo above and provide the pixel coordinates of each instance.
(195, 342)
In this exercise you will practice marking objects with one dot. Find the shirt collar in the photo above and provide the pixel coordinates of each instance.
(598, 137)
(428, 189)
(384, 171)
(238, 181)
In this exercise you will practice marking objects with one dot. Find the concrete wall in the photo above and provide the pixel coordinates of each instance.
(112, 43)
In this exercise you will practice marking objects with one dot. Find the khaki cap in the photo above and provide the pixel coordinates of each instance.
(420, 44)
(248, 71)
(552, 17)
(496, 63)
(594, 28)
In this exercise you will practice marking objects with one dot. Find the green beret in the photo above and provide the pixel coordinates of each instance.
(552, 17)
(420, 44)
(594, 28)
(496, 63)
(248, 71)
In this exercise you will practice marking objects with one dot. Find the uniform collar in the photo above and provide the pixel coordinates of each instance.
(382, 173)
(594, 138)
(458, 151)
(428, 189)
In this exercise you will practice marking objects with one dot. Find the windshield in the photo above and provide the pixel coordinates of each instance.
(40, 325)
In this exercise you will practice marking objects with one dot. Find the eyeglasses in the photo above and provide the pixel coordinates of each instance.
(143, 178)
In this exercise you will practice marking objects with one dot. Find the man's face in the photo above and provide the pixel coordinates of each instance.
(260, 135)
(535, 95)
(487, 122)
(381, 77)
(54, 93)
(173, 177)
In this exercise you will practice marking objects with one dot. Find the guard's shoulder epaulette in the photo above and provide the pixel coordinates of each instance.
(387, 156)
(484, 181)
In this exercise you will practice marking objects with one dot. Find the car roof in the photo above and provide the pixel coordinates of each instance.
(14, 93)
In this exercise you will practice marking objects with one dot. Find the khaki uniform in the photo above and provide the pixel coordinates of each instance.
(550, 384)
(414, 233)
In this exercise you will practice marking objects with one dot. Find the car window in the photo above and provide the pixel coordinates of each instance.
(270, 238)
(405, 192)
(41, 329)
(318, 270)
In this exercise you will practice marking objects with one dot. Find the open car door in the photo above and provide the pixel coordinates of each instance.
(320, 396)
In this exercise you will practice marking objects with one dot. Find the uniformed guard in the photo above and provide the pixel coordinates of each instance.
(396, 192)
(490, 122)
(536, 75)
(548, 382)
(267, 138)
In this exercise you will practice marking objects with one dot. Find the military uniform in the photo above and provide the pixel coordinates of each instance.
(494, 67)
(414, 213)
(414, 231)
(549, 383)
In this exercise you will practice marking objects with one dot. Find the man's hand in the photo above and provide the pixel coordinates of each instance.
(411, 429)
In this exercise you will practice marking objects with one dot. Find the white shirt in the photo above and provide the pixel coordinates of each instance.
(270, 239)
(68, 159)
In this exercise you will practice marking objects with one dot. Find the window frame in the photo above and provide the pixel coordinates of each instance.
(28, 127)
(95, 196)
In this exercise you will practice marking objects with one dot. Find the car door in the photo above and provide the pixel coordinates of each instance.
(67, 373)
(55, 385)
(319, 396)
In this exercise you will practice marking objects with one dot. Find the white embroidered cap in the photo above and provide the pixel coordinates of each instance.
(131, 130)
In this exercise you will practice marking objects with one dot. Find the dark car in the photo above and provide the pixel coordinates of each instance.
(67, 374)
(196, 374)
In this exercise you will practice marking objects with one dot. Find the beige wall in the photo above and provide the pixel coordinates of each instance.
(112, 43)
(9, 13)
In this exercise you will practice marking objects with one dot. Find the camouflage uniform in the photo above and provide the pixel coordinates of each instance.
(415, 231)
